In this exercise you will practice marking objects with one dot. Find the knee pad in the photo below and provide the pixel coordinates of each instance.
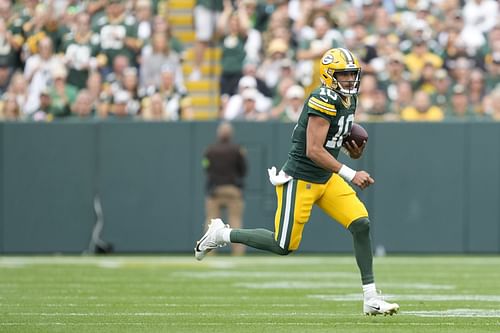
(360, 225)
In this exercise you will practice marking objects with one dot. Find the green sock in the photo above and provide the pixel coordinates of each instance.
(360, 230)
(257, 238)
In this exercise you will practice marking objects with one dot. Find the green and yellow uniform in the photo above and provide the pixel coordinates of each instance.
(112, 34)
(306, 184)
(312, 184)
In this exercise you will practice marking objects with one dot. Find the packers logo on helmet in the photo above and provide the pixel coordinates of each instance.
(340, 60)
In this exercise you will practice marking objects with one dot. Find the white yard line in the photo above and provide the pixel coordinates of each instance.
(413, 297)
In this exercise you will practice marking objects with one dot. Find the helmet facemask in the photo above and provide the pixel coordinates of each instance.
(346, 87)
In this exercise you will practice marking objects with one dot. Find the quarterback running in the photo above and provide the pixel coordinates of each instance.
(312, 175)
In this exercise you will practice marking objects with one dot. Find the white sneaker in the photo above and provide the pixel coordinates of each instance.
(210, 239)
(376, 305)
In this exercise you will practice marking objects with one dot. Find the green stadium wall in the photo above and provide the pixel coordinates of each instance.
(437, 186)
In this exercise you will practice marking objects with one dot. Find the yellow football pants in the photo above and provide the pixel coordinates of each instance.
(296, 199)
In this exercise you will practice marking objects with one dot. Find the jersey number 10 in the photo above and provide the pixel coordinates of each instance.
(344, 125)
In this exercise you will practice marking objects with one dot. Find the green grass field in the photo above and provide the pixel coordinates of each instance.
(298, 293)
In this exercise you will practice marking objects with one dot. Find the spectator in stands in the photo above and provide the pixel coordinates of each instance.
(460, 108)
(460, 72)
(250, 69)
(232, 26)
(97, 94)
(271, 67)
(493, 104)
(61, 93)
(291, 106)
(161, 25)
(368, 90)
(35, 18)
(358, 41)
(82, 108)
(263, 12)
(119, 105)
(206, 15)
(476, 91)
(38, 72)
(454, 47)
(426, 80)
(442, 93)
(155, 109)
(493, 72)
(115, 77)
(419, 56)
(117, 32)
(253, 44)
(19, 88)
(5, 75)
(9, 109)
(234, 107)
(43, 113)
(154, 57)
(285, 83)
(177, 104)
(144, 15)
(368, 11)
(225, 165)
(379, 111)
(314, 44)
(249, 111)
(248, 107)
(394, 74)
(480, 16)
(8, 47)
(13, 34)
(422, 109)
(80, 51)
(130, 84)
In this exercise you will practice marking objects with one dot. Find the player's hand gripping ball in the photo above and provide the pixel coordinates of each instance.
(358, 134)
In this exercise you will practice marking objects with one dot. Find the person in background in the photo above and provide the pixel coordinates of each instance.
(79, 51)
(62, 94)
(117, 33)
(226, 167)
(82, 108)
(422, 109)
(206, 14)
(232, 27)
(291, 106)
(9, 109)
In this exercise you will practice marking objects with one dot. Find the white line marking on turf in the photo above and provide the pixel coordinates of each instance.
(412, 297)
(270, 274)
(482, 313)
(338, 285)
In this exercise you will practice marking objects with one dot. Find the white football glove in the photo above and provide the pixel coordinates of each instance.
(278, 179)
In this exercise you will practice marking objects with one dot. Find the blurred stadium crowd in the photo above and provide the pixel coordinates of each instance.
(422, 60)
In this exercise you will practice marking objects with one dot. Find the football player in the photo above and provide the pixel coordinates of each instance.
(313, 175)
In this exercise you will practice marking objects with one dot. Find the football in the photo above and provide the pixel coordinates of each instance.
(358, 134)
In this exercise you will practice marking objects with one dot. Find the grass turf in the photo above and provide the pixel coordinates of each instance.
(298, 293)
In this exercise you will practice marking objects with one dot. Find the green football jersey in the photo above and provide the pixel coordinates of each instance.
(326, 103)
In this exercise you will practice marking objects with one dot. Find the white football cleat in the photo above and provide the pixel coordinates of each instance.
(376, 305)
(210, 239)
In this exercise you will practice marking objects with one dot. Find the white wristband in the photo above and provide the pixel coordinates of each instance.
(347, 173)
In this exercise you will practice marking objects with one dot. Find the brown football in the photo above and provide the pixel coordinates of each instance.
(358, 134)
